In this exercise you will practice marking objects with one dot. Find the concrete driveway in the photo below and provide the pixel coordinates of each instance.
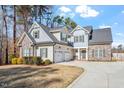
(99, 74)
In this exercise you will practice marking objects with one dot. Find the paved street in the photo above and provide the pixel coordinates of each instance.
(99, 74)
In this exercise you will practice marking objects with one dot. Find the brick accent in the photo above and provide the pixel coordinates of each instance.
(107, 56)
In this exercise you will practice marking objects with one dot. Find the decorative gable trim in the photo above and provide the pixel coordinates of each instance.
(78, 27)
(32, 27)
(22, 37)
(38, 26)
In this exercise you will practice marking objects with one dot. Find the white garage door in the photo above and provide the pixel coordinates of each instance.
(59, 56)
(67, 56)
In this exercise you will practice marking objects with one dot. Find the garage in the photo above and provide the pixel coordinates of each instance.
(67, 56)
(59, 56)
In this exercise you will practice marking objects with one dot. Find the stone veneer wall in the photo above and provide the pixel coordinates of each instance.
(107, 56)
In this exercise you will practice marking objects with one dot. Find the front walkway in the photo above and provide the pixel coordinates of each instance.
(99, 74)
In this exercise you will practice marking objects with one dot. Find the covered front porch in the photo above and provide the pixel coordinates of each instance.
(81, 54)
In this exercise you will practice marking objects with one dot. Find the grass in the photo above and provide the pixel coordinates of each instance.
(24, 76)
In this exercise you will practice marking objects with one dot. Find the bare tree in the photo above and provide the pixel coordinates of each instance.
(14, 30)
(1, 36)
(6, 29)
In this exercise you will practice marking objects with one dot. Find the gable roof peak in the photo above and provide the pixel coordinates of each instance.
(79, 27)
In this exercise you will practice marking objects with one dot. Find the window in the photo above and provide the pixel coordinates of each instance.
(36, 34)
(103, 52)
(81, 38)
(76, 39)
(100, 53)
(92, 52)
(26, 52)
(43, 52)
(63, 37)
(96, 53)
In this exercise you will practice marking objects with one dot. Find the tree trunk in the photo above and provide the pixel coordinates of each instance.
(25, 24)
(1, 46)
(5, 22)
(1, 38)
(14, 31)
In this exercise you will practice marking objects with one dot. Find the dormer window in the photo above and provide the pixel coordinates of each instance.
(64, 37)
(36, 34)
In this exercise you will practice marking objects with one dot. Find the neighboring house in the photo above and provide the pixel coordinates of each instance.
(118, 55)
(59, 44)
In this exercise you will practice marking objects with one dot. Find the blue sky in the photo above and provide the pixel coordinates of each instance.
(99, 16)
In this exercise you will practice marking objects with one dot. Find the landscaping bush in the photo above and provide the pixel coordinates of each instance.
(114, 59)
(47, 62)
(14, 60)
(37, 60)
(20, 61)
(31, 62)
(11, 56)
(27, 60)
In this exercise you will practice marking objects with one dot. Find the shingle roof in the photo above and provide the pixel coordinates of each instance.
(60, 29)
(96, 36)
(101, 36)
(89, 28)
(32, 39)
(46, 29)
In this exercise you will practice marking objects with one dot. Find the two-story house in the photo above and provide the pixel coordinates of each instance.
(59, 44)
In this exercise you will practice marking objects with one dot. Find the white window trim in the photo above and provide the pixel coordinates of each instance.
(36, 33)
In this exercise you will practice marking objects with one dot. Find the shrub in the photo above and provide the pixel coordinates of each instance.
(20, 61)
(37, 60)
(31, 62)
(114, 59)
(27, 60)
(11, 56)
(14, 60)
(47, 62)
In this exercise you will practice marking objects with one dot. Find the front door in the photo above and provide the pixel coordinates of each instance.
(83, 55)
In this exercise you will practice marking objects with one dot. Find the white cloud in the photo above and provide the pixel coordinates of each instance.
(65, 9)
(104, 26)
(62, 14)
(71, 15)
(115, 23)
(122, 11)
(120, 34)
(86, 11)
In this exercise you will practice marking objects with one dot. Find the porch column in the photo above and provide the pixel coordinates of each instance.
(21, 52)
(34, 51)
(86, 53)
(78, 53)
